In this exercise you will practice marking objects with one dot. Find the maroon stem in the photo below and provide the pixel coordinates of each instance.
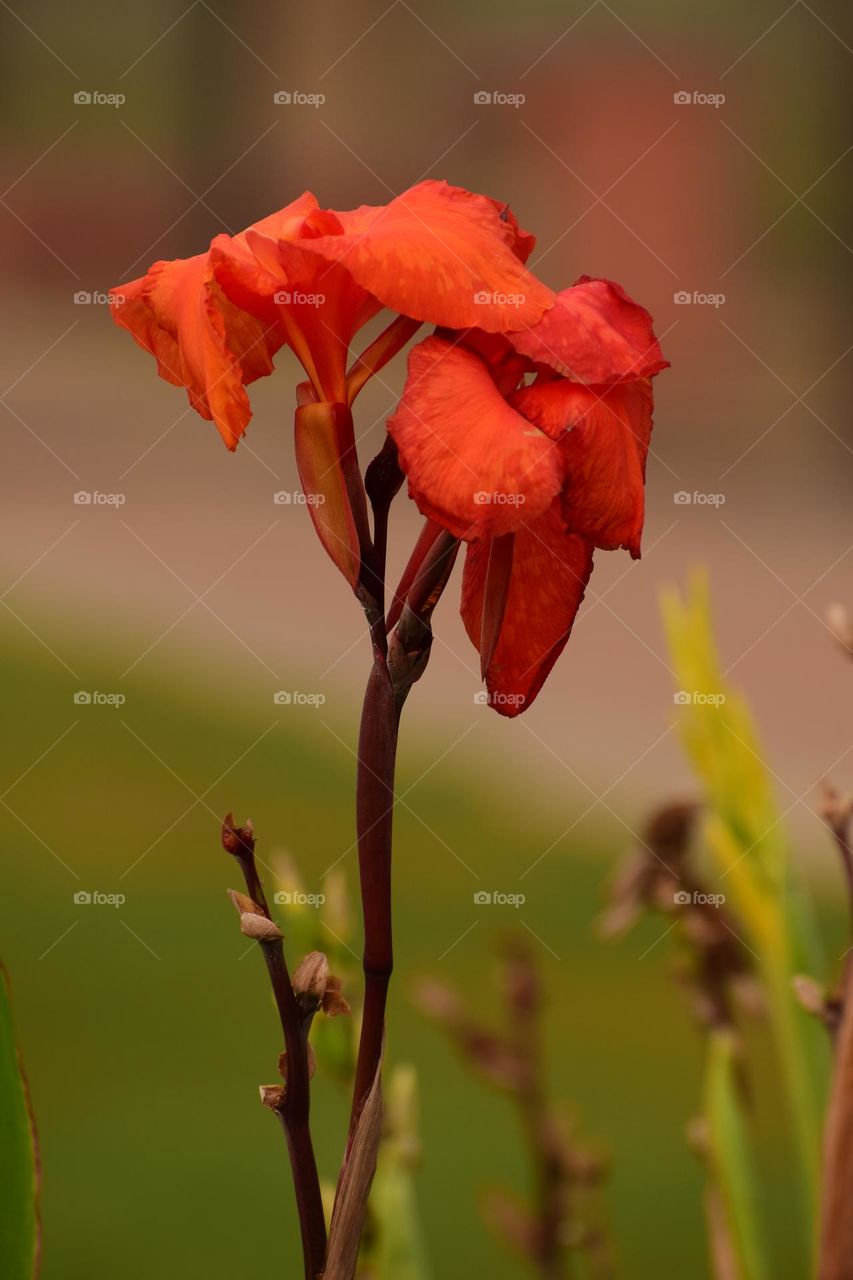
(295, 1111)
(377, 751)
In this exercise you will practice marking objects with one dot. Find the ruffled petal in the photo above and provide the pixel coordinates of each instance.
(604, 434)
(472, 463)
(203, 340)
(199, 339)
(442, 255)
(594, 334)
(550, 570)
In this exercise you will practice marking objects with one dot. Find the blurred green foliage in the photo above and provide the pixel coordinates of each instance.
(148, 1028)
(746, 837)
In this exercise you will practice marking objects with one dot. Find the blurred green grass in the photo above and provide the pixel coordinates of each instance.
(146, 1028)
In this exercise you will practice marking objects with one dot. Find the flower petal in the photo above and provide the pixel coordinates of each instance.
(550, 570)
(473, 463)
(200, 340)
(594, 334)
(442, 255)
(318, 304)
(604, 435)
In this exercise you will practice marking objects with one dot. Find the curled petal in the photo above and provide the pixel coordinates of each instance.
(199, 339)
(442, 255)
(604, 435)
(473, 463)
(594, 333)
(550, 570)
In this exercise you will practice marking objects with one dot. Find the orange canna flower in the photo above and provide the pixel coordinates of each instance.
(532, 475)
(310, 278)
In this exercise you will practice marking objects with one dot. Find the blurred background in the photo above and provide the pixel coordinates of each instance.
(700, 155)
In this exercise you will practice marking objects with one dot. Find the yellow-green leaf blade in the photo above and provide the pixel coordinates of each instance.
(19, 1172)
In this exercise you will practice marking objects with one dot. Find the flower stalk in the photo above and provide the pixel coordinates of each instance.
(292, 1104)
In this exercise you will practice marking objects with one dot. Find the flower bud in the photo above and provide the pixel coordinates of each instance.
(239, 841)
(259, 927)
(311, 977)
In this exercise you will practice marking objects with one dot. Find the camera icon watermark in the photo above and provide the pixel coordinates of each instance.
(494, 298)
(298, 298)
(697, 698)
(682, 498)
(483, 698)
(97, 298)
(696, 98)
(94, 498)
(497, 98)
(682, 898)
(94, 98)
(296, 98)
(482, 498)
(293, 698)
(85, 898)
(484, 898)
(296, 498)
(684, 298)
(94, 698)
(296, 898)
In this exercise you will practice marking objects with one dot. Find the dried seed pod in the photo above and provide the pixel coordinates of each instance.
(272, 1096)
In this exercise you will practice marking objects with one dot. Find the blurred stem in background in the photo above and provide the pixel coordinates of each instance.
(836, 1227)
(563, 1231)
(716, 971)
(743, 832)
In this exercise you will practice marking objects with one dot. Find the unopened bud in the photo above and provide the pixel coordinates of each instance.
(259, 927)
(243, 904)
(316, 988)
(239, 841)
(311, 977)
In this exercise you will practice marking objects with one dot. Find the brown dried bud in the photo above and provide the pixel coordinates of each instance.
(243, 904)
(311, 976)
(316, 988)
(272, 1096)
(259, 927)
(335, 1003)
(239, 841)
